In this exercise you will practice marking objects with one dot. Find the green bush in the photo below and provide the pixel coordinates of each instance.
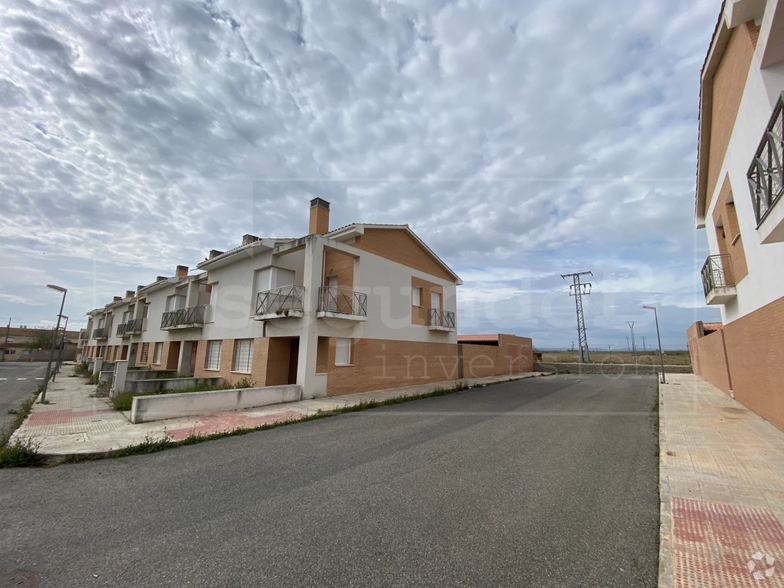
(19, 454)
(123, 401)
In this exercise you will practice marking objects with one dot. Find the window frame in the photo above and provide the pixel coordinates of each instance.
(157, 353)
(207, 365)
(341, 347)
(416, 296)
(235, 368)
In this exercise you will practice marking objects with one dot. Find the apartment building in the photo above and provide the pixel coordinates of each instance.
(361, 307)
(739, 185)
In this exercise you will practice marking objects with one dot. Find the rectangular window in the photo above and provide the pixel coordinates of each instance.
(416, 296)
(435, 300)
(158, 353)
(213, 355)
(243, 355)
(145, 353)
(175, 303)
(342, 351)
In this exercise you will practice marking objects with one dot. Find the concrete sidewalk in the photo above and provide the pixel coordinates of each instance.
(75, 422)
(722, 490)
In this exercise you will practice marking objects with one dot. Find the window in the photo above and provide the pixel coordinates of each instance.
(243, 355)
(158, 353)
(175, 303)
(435, 300)
(342, 351)
(145, 353)
(416, 296)
(213, 355)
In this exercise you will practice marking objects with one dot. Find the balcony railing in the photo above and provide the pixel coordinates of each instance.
(442, 319)
(101, 333)
(184, 318)
(337, 301)
(135, 326)
(84, 334)
(766, 174)
(718, 281)
(281, 302)
(122, 330)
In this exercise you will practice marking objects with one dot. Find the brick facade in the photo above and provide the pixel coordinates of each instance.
(398, 246)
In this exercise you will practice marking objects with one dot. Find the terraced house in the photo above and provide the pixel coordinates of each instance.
(739, 186)
(362, 307)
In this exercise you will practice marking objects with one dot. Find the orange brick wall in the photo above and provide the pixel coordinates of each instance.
(713, 361)
(420, 315)
(729, 81)
(512, 355)
(693, 333)
(397, 245)
(337, 263)
(728, 234)
(755, 348)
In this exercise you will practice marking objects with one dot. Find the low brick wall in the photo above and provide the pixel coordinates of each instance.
(629, 369)
(169, 406)
(142, 386)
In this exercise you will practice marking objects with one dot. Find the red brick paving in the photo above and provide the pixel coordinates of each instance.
(230, 421)
(60, 417)
(713, 542)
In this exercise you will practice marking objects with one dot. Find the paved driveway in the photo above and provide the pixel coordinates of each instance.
(544, 482)
(18, 380)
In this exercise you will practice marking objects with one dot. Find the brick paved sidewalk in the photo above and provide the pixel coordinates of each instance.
(722, 490)
(74, 422)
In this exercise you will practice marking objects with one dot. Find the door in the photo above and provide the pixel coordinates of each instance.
(435, 305)
(332, 296)
(293, 358)
(132, 356)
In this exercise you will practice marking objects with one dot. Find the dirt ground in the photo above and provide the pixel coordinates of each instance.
(647, 358)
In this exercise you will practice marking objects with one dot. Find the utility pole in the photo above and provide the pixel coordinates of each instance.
(628, 347)
(634, 347)
(572, 350)
(643, 345)
(578, 289)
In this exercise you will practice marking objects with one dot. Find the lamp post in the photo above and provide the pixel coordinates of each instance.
(658, 336)
(62, 348)
(56, 329)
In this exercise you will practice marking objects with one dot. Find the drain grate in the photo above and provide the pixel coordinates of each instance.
(19, 579)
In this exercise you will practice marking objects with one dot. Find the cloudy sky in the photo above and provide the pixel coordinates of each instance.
(520, 139)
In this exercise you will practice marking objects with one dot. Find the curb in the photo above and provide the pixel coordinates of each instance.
(666, 572)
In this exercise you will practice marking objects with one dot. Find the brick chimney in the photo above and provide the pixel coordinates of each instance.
(215, 253)
(117, 298)
(182, 271)
(248, 239)
(130, 293)
(319, 217)
(160, 278)
(139, 288)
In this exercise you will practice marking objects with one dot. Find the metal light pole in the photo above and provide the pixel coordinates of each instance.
(62, 348)
(56, 329)
(658, 336)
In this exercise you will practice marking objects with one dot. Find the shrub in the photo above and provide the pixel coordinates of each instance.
(19, 454)
(123, 401)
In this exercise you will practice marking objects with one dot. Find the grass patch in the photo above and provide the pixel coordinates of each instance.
(616, 357)
(19, 453)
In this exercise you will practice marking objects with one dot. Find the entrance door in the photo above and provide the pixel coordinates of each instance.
(132, 356)
(293, 357)
(332, 295)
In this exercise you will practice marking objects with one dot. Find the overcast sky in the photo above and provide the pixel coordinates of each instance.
(521, 140)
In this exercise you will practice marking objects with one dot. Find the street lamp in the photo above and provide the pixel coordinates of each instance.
(658, 336)
(63, 342)
(56, 330)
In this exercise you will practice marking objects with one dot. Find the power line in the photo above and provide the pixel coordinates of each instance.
(577, 289)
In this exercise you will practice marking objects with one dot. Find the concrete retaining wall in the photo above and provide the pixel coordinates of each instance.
(133, 375)
(169, 406)
(145, 386)
(629, 369)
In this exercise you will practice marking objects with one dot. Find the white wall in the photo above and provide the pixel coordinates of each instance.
(765, 281)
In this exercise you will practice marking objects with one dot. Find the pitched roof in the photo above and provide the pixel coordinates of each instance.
(712, 326)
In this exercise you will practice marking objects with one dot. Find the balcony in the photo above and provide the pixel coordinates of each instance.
(718, 281)
(84, 334)
(135, 326)
(122, 330)
(342, 304)
(284, 302)
(191, 317)
(442, 320)
(766, 178)
(101, 333)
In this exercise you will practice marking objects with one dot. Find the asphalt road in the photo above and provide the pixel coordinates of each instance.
(18, 380)
(544, 482)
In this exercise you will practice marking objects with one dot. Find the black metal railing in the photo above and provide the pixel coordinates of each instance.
(342, 301)
(84, 334)
(717, 273)
(192, 316)
(766, 173)
(122, 330)
(280, 301)
(134, 326)
(101, 333)
(442, 318)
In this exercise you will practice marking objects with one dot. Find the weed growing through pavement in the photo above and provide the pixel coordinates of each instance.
(19, 453)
